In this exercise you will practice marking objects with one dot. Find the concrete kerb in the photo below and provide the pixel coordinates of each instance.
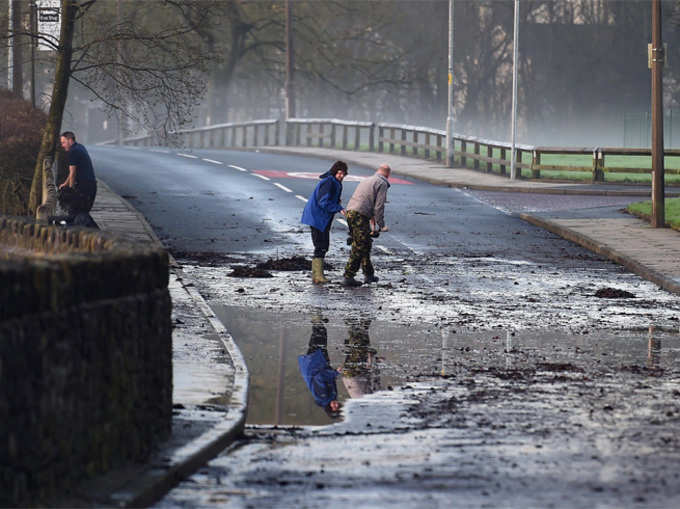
(189, 457)
(634, 266)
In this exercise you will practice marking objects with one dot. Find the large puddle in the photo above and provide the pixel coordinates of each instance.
(371, 354)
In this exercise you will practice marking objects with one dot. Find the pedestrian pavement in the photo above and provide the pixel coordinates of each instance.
(210, 376)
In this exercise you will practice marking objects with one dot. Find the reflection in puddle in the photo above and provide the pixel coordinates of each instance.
(362, 355)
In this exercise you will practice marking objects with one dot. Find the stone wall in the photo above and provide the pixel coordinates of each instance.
(85, 356)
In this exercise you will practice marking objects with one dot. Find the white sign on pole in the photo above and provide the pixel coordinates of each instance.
(49, 23)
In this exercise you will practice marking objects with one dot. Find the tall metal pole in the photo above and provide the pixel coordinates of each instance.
(10, 48)
(290, 64)
(119, 115)
(515, 51)
(17, 48)
(34, 43)
(657, 61)
(450, 141)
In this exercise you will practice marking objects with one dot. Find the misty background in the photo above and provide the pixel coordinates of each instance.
(583, 75)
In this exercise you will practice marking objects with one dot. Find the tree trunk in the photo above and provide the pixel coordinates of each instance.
(50, 137)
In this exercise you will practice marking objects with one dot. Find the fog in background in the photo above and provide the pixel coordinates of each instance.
(583, 75)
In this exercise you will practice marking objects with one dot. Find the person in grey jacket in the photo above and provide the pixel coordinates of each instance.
(365, 215)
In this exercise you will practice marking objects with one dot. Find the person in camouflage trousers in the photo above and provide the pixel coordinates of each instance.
(366, 210)
(362, 242)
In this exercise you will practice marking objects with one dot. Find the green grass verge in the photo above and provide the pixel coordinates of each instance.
(671, 211)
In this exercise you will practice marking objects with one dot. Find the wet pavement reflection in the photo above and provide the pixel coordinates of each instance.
(354, 356)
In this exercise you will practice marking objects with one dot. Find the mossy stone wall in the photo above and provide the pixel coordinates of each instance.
(85, 356)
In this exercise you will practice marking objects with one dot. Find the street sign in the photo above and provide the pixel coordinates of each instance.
(49, 23)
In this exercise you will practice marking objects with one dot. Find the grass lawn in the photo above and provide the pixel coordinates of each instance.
(671, 210)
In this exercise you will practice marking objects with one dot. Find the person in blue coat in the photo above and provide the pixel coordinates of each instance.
(318, 213)
(316, 370)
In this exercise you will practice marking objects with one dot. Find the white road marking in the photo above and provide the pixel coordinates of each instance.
(159, 150)
(260, 176)
(301, 198)
(236, 167)
(342, 221)
(211, 161)
(384, 250)
(190, 156)
(282, 187)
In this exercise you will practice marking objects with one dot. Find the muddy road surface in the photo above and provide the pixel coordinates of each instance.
(492, 365)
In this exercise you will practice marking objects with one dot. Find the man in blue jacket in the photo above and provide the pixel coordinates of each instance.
(318, 214)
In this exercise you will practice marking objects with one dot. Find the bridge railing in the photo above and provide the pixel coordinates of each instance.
(416, 141)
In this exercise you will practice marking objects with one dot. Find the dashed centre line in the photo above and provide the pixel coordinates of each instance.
(280, 186)
(236, 167)
(211, 161)
(342, 221)
(260, 176)
(190, 156)
(301, 198)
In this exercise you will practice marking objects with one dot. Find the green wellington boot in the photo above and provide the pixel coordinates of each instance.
(317, 271)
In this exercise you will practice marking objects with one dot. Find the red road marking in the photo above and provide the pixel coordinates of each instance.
(315, 176)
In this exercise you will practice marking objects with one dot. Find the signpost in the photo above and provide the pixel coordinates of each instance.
(49, 23)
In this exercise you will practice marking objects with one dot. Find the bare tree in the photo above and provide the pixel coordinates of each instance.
(148, 63)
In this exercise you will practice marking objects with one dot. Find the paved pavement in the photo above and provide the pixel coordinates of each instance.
(210, 393)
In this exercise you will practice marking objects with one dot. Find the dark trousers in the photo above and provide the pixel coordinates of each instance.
(321, 240)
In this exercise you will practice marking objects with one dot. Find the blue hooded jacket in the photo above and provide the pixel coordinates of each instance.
(319, 377)
(323, 203)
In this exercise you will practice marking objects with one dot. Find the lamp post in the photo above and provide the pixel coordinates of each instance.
(515, 51)
(290, 64)
(656, 62)
(450, 142)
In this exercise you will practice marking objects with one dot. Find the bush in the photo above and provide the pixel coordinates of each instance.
(20, 136)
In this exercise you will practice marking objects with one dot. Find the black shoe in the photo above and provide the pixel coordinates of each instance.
(370, 279)
(350, 281)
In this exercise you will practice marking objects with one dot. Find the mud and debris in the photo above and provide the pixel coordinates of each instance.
(292, 263)
(243, 271)
(613, 293)
(476, 292)
(504, 382)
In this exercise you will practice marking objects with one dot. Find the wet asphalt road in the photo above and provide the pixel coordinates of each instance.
(501, 380)
(245, 202)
